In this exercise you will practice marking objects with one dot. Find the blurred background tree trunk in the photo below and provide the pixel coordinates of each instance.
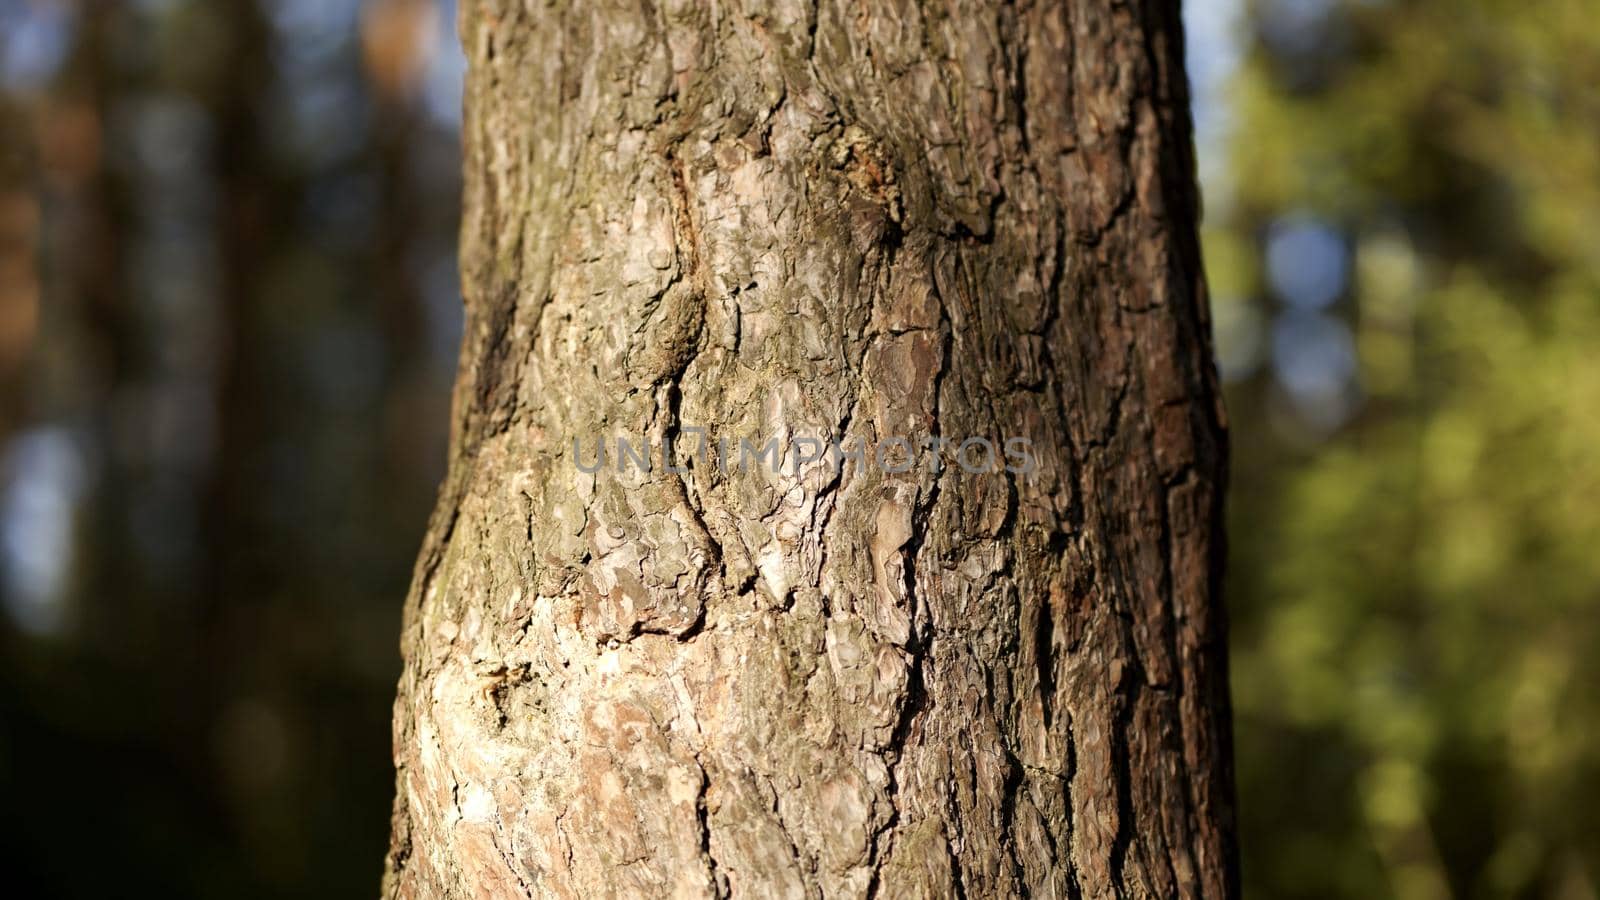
(221, 224)
(833, 221)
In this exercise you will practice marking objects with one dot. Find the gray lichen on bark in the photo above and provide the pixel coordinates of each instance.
(853, 220)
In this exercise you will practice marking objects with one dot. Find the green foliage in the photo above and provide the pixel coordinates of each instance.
(1416, 589)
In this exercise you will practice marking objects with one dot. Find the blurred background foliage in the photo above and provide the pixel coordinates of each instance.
(1403, 241)
(228, 321)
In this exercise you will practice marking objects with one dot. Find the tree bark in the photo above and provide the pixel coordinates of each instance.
(855, 221)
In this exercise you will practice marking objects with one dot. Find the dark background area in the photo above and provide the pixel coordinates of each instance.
(228, 323)
(229, 316)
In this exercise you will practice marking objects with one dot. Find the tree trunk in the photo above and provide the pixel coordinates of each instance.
(948, 673)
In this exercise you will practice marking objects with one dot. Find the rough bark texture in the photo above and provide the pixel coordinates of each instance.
(847, 219)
